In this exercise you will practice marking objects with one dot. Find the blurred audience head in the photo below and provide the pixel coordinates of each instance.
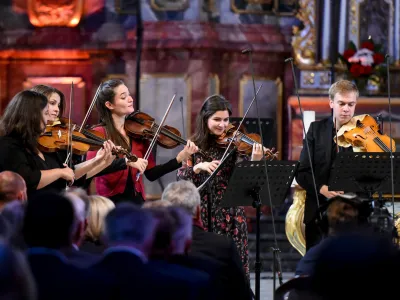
(156, 204)
(49, 221)
(13, 213)
(80, 202)
(356, 266)
(129, 225)
(343, 213)
(12, 187)
(16, 279)
(165, 228)
(99, 207)
(183, 194)
(182, 235)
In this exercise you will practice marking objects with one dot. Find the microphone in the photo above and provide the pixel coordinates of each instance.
(275, 250)
(288, 59)
(305, 135)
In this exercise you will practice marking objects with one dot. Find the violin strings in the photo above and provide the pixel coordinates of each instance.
(369, 130)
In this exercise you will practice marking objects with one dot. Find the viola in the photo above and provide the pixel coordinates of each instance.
(143, 126)
(243, 141)
(367, 136)
(56, 137)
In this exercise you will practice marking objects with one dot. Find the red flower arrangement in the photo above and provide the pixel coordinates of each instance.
(364, 64)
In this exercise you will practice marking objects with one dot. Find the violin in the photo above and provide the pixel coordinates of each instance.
(243, 141)
(366, 135)
(141, 125)
(56, 137)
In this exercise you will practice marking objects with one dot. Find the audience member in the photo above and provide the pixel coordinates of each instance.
(48, 229)
(16, 279)
(208, 244)
(99, 207)
(80, 202)
(13, 213)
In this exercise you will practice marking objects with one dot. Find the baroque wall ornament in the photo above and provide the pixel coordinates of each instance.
(169, 5)
(304, 40)
(43, 13)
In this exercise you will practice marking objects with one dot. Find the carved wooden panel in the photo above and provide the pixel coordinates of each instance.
(44, 13)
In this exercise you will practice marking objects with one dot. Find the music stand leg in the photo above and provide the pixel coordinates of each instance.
(257, 206)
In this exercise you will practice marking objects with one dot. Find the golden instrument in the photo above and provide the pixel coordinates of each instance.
(294, 226)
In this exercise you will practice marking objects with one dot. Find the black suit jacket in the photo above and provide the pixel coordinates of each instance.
(57, 279)
(222, 249)
(319, 138)
(138, 280)
(81, 258)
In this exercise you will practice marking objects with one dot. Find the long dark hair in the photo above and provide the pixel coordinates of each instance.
(48, 90)
(23, 118)
(107, 93)
(202, 137)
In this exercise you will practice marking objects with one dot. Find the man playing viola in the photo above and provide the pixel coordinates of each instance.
(343, 96)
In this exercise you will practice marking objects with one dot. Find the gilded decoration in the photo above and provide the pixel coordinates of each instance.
(304, 40)
(44, 13)
(169, 5)
(294, 226)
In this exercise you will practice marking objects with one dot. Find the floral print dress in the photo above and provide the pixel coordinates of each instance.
(230, 221)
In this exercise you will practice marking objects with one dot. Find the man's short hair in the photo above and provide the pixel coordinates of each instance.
(182, 194)
(81, 193)
(10, 184)
(342, 87)
(129, 223)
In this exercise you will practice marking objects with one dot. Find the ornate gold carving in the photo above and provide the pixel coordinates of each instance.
(294, 226)
(304, 41)
(169, 5)
(44, 13)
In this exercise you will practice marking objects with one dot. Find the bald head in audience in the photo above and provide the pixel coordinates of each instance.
(12, 187)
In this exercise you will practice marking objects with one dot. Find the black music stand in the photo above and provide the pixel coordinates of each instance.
(366, 173)
(248, 185)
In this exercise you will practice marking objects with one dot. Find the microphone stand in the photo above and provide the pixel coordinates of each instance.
(390, 132)
(277, 267)
(209, 192)
(305, 135)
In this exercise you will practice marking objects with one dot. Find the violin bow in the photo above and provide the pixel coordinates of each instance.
(240, 124)
(89, 111)
(68, 160)
(154, 140)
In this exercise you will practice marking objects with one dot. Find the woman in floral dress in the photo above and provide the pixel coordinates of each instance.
(212, 122)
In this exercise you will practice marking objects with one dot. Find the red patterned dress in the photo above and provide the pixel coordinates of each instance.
(230, 221)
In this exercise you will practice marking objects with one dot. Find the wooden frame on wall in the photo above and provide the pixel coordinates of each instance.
(279, 102)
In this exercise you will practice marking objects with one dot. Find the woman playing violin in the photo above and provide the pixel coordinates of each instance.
(21, 125)
(56, 107)
(212, 123)
(114, 104)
